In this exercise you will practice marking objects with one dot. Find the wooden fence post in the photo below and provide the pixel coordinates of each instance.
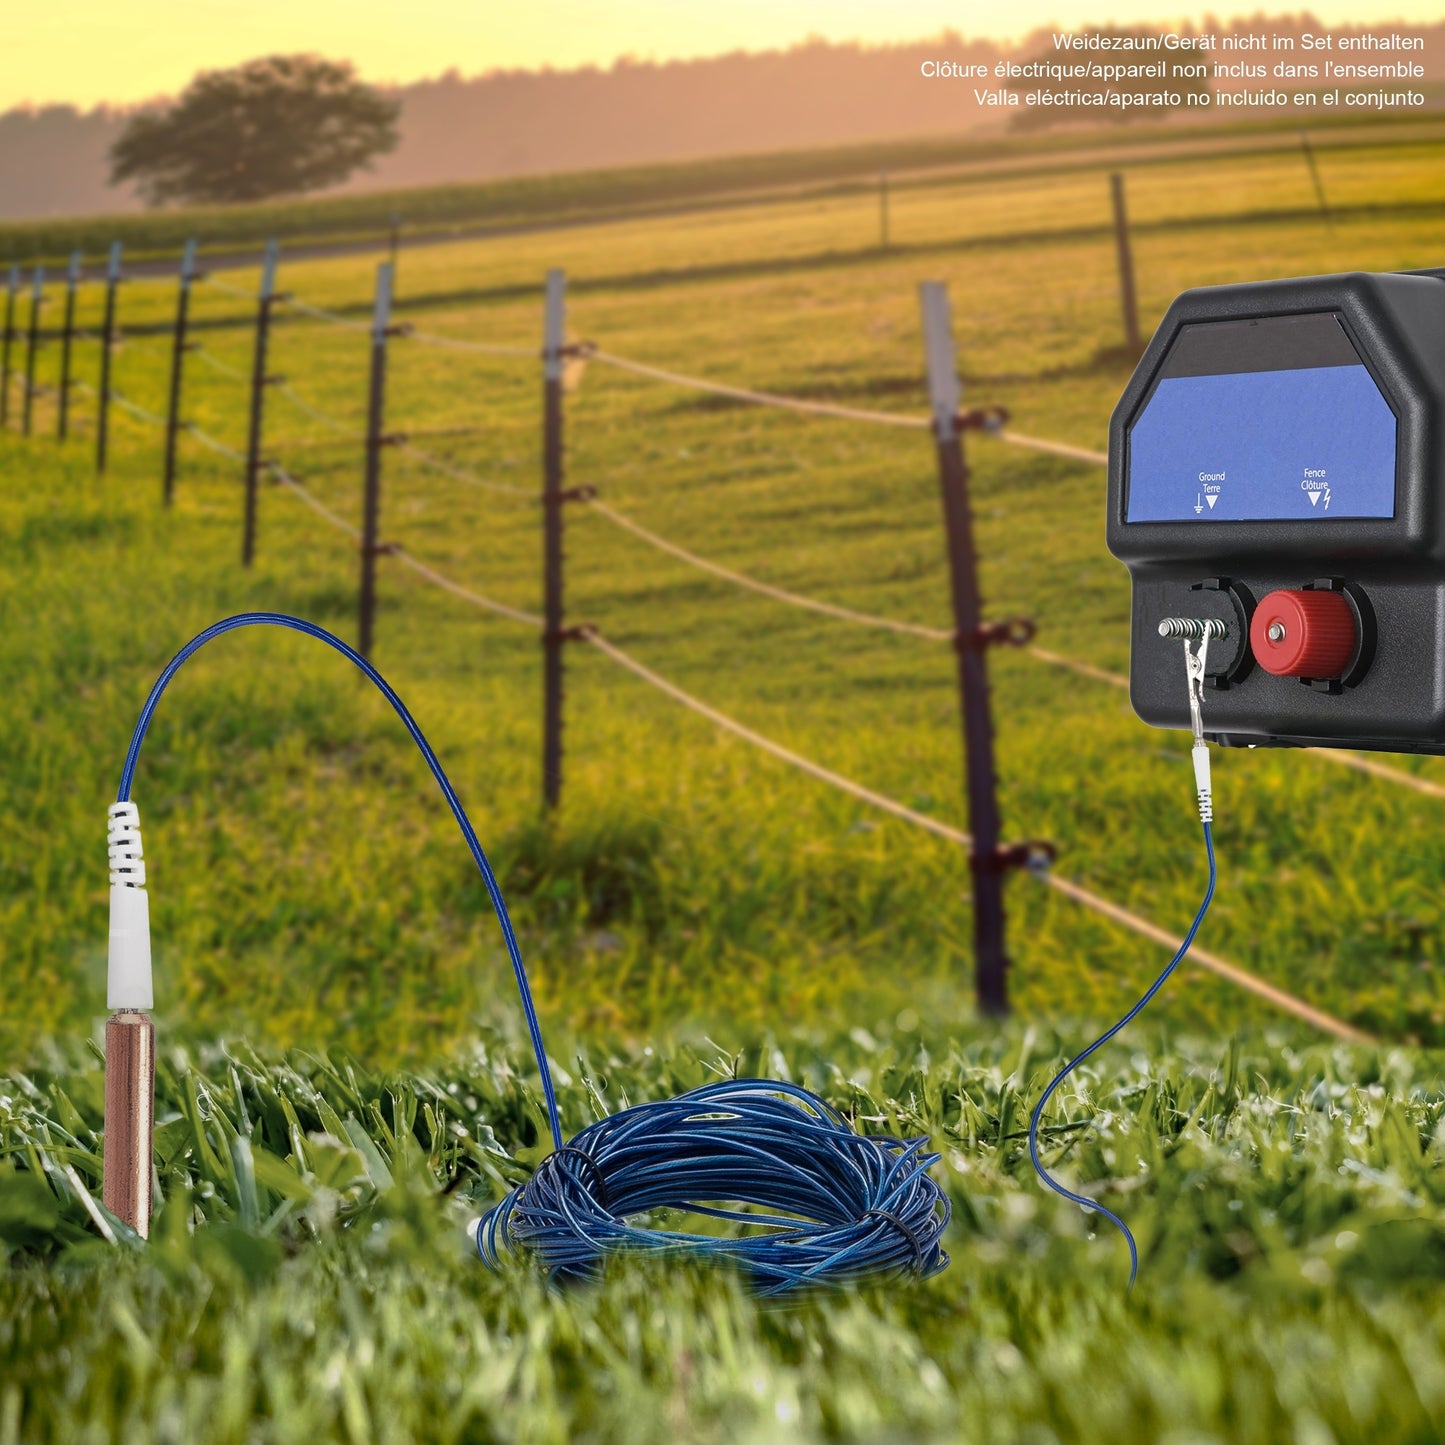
(553, 358)
(179, 347)
(971, 640)
(376, 438)
(8, 340)
(107, 346)
(32, 344)
(67, 338)
(1319, 185)
(259, 382)
(1126, 266)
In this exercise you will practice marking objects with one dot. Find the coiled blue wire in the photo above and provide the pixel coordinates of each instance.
(855, 1206)
(1099, 1043)
(849, 1205)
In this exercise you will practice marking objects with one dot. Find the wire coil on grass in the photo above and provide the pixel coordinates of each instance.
(854, 1205)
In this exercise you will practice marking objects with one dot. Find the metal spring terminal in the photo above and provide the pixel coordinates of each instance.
(1193, 629)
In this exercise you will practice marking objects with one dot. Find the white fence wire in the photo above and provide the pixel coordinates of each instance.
(1203, 958)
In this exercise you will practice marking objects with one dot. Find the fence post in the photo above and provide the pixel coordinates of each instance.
(259, 381)
(1319, 184)
(179, 347)
(11, 288)
(67, 336)
(32, 341)
(971, 640)
(1126, 265)
(883, 210)
(553, 347)
(107, 345)
(376, 438)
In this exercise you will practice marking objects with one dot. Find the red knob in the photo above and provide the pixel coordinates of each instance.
(1303, 634)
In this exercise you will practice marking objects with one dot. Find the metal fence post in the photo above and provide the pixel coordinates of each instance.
(67, 337)
(1126, 265)
(32, 342)
(259, 382)
(179, 347)
(376, 439)
(107, 345)
(553, 347)
(11, 288)
(971, 639)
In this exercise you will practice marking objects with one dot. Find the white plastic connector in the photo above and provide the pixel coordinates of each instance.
(1202, 785)
(128, 983)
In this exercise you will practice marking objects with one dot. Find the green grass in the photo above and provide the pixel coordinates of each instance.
(694, 901)
(564, 200)
(307, 1279)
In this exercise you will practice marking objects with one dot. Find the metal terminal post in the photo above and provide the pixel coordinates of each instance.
(1200, 630)
(1193, 629)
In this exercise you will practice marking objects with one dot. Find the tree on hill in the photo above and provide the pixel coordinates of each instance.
(278, 126)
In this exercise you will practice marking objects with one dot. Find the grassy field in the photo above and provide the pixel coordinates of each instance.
(572, 198)
(694, 902)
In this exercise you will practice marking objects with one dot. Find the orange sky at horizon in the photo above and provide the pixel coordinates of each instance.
(87, 52)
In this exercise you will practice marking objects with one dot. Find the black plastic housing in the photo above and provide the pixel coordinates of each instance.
(1392, 696)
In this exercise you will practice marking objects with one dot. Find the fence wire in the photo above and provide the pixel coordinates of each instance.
(223, 367)
(439, 579)
(311, 500)
(832, 409)
(351, 433)
(220, 447)
(228, 289)
(937, 634)
(760, 398)
(461, 474)
(320, 313)
(480, 348)
(1203, 958)
(427, 459)
(1212, 962)
(764, 589)
(1340, 758)
(428, 573)
(1056, 449)
(138, 412)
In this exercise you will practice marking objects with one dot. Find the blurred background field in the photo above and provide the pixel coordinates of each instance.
(693, 900)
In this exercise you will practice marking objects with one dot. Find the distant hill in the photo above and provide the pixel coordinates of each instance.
(509, 123)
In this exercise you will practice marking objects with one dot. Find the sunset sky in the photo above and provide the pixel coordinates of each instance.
(87, 51)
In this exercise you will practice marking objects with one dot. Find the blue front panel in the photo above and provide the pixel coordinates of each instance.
(1295, 445)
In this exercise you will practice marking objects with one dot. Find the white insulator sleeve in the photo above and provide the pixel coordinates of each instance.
(122, 833)
(1202, 785)
(128, 984)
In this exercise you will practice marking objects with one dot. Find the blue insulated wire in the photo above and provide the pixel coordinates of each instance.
(816, 1202)
(1099, 1043)
(297, 624)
